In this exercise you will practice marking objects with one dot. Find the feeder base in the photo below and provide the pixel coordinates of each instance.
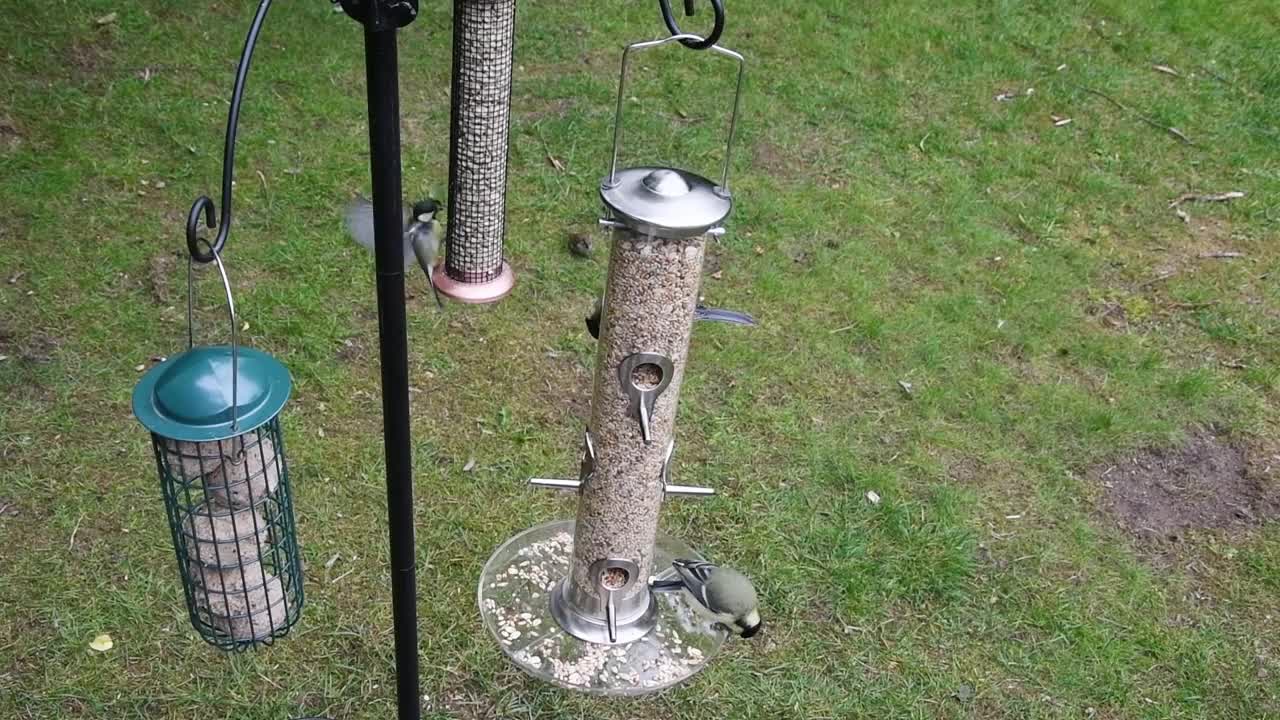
(476, 293)
(515, 593)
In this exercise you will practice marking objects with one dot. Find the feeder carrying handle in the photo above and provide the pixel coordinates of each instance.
(622, 94)
(231, 315)
(203, 205)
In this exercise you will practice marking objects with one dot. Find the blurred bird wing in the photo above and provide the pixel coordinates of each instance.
(359, 222)
(733, 317)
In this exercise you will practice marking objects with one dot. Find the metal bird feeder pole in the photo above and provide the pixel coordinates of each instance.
(570, 601)
(483, 59)
(381, 20)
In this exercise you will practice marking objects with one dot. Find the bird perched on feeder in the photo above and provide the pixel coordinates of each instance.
(701, 312)
(421, 235)
(725, 595)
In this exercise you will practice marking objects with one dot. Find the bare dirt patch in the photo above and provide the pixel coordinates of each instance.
(10, 136)
(1208, 483)
(161, 271)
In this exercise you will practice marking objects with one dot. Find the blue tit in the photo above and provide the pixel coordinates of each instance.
(722, 594)
(421, 235)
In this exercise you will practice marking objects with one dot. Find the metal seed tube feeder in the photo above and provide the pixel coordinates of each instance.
(480, 124)
(570, 602)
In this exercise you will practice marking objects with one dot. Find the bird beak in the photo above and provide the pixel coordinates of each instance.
(748, 632)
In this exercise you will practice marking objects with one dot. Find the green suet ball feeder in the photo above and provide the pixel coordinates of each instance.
(214, 417)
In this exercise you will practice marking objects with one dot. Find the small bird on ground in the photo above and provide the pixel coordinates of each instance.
(421, 235)
(701, 312)
(725, 595)
(580, 244)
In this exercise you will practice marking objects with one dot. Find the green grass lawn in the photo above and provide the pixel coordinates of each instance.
(896, 222)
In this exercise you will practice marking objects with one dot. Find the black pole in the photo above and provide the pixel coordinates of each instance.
(380, 19)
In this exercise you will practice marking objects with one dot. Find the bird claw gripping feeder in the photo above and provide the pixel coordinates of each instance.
(483, 58)
(214, 417)
(571, 602)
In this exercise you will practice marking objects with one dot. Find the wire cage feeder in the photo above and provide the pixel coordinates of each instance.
(483, 59)
(214, 417)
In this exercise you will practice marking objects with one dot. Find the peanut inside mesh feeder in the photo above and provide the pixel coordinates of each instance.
(570, 601)
(483, 57)
(214, 417)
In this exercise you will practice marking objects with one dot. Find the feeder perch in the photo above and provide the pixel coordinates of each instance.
(214, 417)
(570, 601)
(483, 56)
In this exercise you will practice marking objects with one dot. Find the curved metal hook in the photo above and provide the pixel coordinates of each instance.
(670, 19)
(203, 203)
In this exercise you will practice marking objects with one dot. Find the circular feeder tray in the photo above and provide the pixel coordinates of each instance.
(514, 597)
(476, 293)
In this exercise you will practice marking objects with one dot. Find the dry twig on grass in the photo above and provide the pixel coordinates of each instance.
(1144, 118)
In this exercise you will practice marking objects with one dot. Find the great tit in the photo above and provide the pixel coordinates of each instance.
(421, 235)
(724, 595)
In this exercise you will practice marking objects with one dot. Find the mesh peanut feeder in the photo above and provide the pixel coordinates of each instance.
(214, 417)
(483, 52)
(570, 601)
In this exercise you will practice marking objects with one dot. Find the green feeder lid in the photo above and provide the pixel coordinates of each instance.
(189, 396)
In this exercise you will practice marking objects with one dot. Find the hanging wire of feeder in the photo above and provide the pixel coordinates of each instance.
(214, 417)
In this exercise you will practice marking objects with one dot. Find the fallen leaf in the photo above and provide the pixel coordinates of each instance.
(1166, 70)
(906, 386)
(106, 20)
(717, 275)
(471, 465)
(873, 497)
(102, 643)
(140, 368)
(759, 250)
(555, 163)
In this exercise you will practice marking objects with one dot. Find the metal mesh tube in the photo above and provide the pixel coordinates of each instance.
(231, 516)
(650, 298)
(483, 44)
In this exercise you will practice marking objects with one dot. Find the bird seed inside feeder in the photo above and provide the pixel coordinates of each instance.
(197, 459)
(246, 614)
(247, 477)
(219, 537)
(650, 296)
(249, 576)
(614, 578)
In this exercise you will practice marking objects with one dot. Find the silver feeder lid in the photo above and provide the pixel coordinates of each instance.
(665, 202)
